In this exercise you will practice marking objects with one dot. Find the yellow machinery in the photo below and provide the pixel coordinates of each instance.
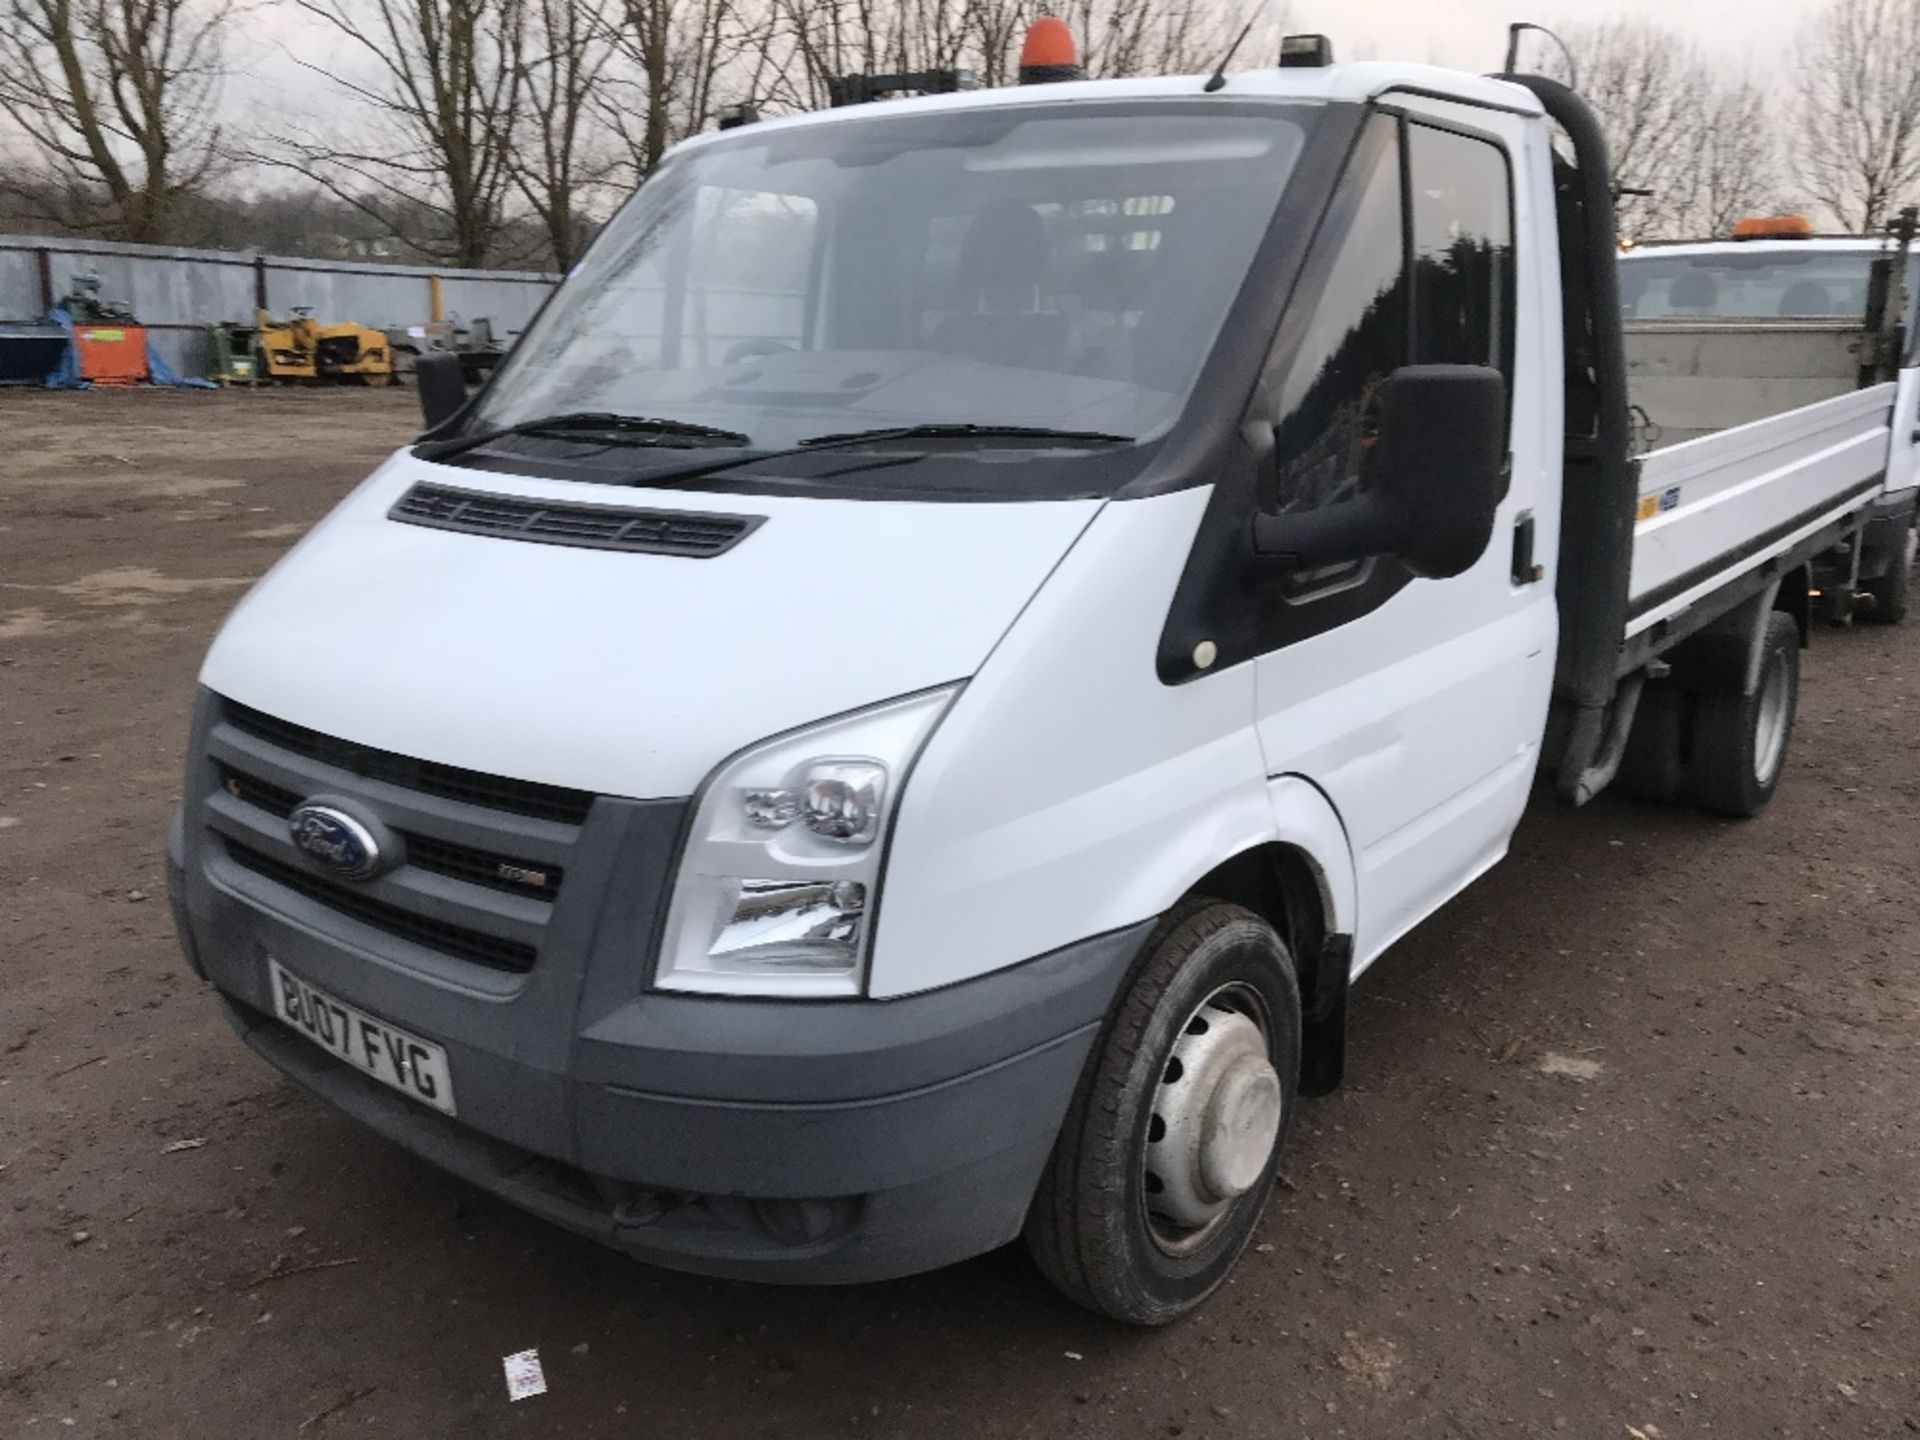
(304, 349)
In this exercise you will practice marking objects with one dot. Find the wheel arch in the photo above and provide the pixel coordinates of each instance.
(1301, 881)
(1724, 658)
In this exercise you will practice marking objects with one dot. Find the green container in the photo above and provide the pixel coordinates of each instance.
(231, 349)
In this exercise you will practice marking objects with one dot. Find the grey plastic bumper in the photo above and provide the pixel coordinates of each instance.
(801, 1142)
(963, 1092)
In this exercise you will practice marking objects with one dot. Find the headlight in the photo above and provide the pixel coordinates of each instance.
(777, 887)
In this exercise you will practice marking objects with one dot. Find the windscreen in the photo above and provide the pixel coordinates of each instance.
(1811, 284)
(1056, 266)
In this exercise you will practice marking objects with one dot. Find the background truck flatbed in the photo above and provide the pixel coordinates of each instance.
(1764, 453)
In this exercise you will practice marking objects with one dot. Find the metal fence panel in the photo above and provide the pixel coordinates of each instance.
(508, 302)
(378, 300)
(177, 293)
(19, 285)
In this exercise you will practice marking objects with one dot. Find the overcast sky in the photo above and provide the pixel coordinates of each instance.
(1744, 36)
(1749, 35)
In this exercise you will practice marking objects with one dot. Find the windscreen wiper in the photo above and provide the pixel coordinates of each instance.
(851, 439)
(962, 431)
(618, 429)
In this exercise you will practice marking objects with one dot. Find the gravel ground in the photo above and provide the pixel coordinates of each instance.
(1630, 1147)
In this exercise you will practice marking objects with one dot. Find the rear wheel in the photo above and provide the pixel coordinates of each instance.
(1740, 741)
(1889, 591)
(1168, 1153)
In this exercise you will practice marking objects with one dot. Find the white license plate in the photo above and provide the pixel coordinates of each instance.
(415, 1067)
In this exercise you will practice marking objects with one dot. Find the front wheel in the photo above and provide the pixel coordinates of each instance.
(1168, 1153)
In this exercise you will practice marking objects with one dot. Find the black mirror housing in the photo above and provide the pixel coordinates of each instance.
(1435, 477)
(1441, 463)
(443, 388)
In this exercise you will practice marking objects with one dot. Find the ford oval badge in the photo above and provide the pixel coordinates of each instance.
(335, 841)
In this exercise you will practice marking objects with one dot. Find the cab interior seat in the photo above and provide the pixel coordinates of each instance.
(1695, 290)
(1807, 298)
(1004, 260)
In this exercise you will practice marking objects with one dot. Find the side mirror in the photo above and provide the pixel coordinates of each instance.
(1435, 477)
(443, 387)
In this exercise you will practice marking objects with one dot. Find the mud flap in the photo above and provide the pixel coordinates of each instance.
(1323, 1050)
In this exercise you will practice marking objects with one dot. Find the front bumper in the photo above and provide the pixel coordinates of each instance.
(760, 1188)
(812, 1141)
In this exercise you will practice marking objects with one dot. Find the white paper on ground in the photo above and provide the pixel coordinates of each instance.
(524, 1375)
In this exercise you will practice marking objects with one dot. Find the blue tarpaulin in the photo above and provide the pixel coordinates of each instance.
(161, 373)
(66, 374)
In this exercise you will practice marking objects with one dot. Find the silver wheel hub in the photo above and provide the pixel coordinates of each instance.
(1216, 1116)
(1770, 727)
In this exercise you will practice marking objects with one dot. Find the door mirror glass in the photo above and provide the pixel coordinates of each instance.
(1434, 475)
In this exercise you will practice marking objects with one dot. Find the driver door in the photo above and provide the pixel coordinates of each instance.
(1417, 706)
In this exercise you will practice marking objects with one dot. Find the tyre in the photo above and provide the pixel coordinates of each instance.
(1740, 741)
(1167, 1157)
(1651, 771)
(1889, 591)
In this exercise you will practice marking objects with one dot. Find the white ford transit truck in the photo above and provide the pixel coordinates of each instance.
(896, 715)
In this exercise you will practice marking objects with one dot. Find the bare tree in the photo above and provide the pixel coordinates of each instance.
(444, 87)
(1149, 37)
(115, 99)
(1734, 170)
(555, 160)
(677, 55)
(830, 38)
(1690, 151)
(1644, 84)
(1856, 139)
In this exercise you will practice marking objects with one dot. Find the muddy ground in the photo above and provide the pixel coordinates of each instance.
(1631, 1149)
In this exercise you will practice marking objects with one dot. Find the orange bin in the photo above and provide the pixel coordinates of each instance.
(111, 354)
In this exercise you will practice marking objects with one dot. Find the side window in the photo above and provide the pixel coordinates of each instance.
(1352, 338)
(1461, 194)
(1413, 264)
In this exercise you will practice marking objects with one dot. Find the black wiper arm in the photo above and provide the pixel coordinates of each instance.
(638, 429)
(961, 431)
(813, 444)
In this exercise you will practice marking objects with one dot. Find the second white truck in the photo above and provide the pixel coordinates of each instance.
(896, 716)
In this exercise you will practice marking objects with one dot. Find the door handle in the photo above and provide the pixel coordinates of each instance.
(1525, 571)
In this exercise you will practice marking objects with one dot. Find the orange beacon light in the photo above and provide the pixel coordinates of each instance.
(1048, 53)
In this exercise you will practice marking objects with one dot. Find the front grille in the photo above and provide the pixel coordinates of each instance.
(593, 527)
(536, 879)
(253, 791)
(520, 797)
(481, 858)
(474, 945)
(483, 867)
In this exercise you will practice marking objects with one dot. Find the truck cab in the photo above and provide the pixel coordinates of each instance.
(896, 715)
